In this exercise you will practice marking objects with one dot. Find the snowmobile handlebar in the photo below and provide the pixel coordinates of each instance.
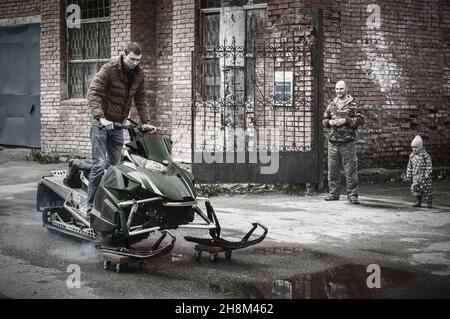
(127, 126)
(134, 129)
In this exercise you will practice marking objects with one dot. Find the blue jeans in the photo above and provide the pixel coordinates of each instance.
(106, 150)
(82, 164)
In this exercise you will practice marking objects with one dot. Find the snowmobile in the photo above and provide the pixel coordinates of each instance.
(146, 193)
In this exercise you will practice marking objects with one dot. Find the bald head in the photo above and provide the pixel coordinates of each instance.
(341, 83)
(341, 89)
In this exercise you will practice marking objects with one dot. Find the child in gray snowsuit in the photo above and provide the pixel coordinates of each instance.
(419, 172)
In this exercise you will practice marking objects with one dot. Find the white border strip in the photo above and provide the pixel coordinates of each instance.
(20, 21)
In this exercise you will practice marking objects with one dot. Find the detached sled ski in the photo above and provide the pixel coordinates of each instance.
(120, 258)
(216, 244)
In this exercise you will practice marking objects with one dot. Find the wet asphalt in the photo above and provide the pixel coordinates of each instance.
(314, 249)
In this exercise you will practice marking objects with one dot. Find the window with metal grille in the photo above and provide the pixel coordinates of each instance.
(211, 63)
(89, 47)
(207, 4)
(256, 20)
(219, 3)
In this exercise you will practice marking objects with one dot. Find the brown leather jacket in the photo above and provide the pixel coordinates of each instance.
(109, 96)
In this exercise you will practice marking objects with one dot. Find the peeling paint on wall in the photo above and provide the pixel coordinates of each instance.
(381, 66)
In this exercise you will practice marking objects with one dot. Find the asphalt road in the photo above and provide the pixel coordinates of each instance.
(314, 249)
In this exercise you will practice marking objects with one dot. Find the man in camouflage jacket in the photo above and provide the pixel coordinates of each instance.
(342, 118)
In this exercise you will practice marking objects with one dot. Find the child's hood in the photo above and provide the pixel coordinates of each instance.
(417, 142)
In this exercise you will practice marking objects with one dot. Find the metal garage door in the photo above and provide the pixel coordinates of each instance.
(19, 86)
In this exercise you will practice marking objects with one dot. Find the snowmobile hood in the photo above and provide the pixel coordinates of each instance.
(173, 185)
(155, 148)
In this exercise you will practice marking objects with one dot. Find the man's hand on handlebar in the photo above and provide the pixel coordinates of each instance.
(148, 128)
(106, 124)
(127, 125)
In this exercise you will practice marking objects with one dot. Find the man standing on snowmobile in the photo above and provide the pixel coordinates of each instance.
(109, 98)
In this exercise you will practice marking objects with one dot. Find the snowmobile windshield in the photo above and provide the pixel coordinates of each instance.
(149, 164)
(153, 148)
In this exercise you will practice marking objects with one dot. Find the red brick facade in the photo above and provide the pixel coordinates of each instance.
(65, 122)
(152, 27)
(19, 8)
(400, 70)
(184, 29)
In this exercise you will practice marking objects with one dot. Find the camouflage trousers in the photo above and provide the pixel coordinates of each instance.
(345, 153)
(421, 189)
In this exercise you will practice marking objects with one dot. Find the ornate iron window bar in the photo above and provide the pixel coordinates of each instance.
(261, 105)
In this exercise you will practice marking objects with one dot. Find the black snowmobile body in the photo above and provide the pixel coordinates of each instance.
(147, 192)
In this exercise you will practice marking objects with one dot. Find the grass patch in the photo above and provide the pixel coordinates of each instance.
(43, 158)
(209, 190)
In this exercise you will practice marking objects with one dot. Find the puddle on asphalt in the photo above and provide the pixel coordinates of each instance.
(170, 259)
(278, 250)
(174, 258)
(342, 282)
(346, 281)
(287, 251)
(377, 251)
(178, 259)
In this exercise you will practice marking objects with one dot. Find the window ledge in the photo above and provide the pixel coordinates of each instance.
(74, 101)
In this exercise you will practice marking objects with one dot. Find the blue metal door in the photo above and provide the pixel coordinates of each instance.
(20, 113)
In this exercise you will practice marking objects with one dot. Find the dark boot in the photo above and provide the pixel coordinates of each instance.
(418, 203)
(88, 214)
(70, 175)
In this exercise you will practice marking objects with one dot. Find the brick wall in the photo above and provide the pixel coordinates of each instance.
(164, 66)
(183, 43)
(400, 71)
(120, 25)
(19, 8)
(443, 122)
(143, 20)
(65, 122)
(66, 126)
(444, 19)
(290, 23)
(151, 25)
(52, 126)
